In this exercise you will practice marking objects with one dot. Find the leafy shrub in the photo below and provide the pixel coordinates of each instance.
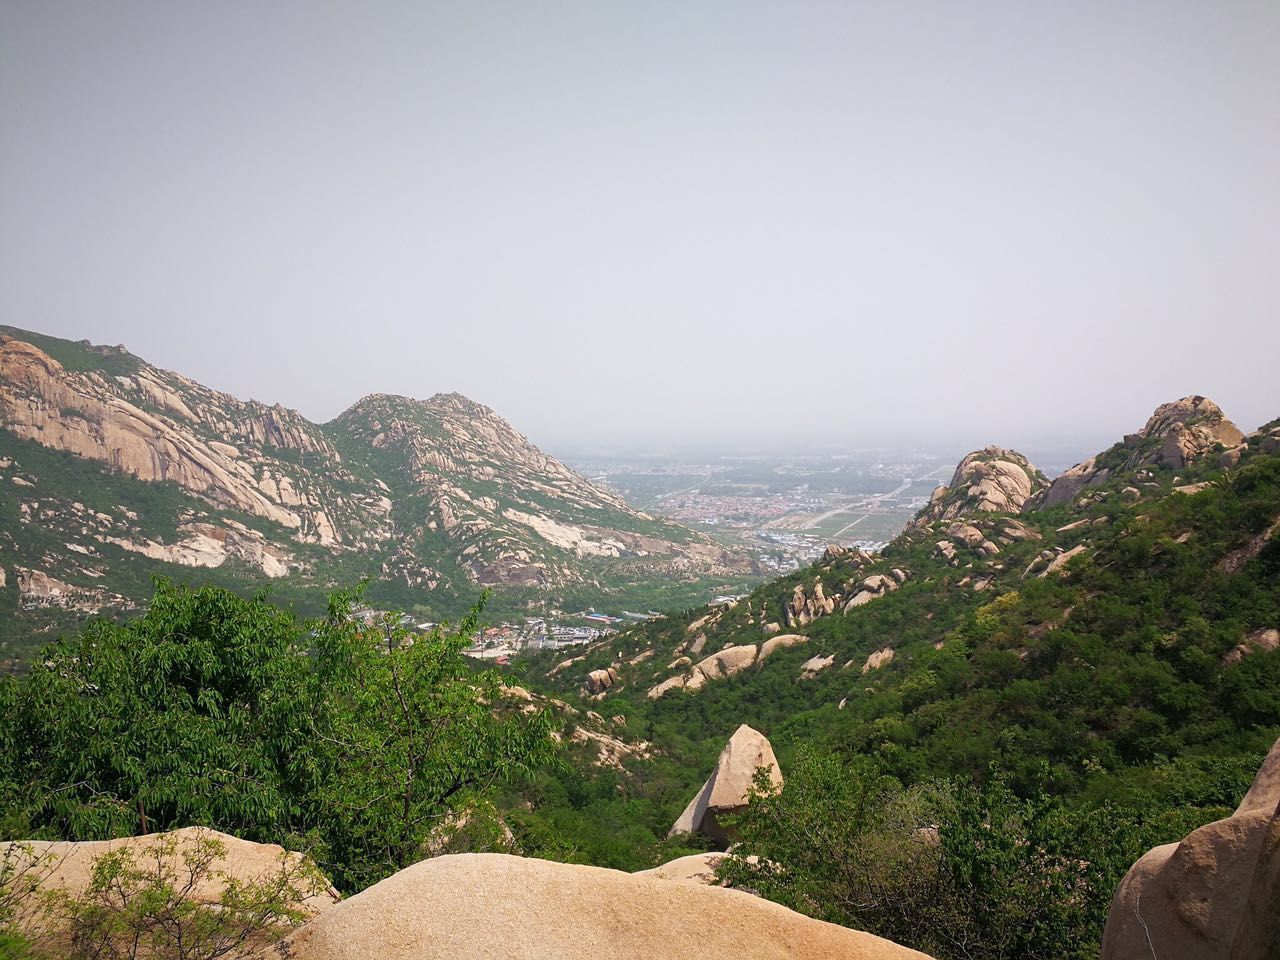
(352, 741)
(154, 904)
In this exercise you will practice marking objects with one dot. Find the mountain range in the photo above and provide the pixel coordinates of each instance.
(113, 470)
(1123, 612)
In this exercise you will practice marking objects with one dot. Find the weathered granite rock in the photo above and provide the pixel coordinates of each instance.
(1214, 895)
(1176, 434)
(730, 784)
(991, 480)
(499, 907)
(66, 867)
(878, 659)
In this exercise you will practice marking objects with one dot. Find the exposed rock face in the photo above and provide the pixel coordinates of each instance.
(140, 425)
(878, 659)
(1176, 434)
(991, 480)
(474, 500)
(499, 907)
(729, 786)
(1214, 895)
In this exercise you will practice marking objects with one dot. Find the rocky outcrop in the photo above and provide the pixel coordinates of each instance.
(1260, 640)
(598, 681)
(499, 907)
(1213, 896)
(873, 587)
(815, 665)
(1177, 434)
(991, 480)
(803, 608)
(725, 663)
(878, 659)
(730, 785)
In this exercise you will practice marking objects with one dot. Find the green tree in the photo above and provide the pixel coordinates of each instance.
(360, 743)
(412, 741)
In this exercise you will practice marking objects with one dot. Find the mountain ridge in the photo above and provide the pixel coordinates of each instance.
(427, 497)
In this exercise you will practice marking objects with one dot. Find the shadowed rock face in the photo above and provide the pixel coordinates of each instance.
(496, 907)
(729, 786)
(1213, 896)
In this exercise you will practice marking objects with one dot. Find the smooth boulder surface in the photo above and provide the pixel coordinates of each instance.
(729, 786)
(699, 868)
(484, 906)
(1213, 896)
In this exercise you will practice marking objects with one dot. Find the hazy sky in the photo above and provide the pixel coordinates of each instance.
(625, 224)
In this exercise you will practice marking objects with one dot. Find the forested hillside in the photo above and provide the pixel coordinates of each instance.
(1110, 653)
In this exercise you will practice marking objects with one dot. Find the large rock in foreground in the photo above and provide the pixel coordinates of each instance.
(729, 786)
(485, 906)
(1215, 895)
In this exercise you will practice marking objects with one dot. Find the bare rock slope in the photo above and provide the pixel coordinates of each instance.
(498, 907)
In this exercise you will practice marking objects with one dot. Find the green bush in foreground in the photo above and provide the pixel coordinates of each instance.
(354, 742)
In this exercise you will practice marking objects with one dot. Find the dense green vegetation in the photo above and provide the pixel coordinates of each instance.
(1099, 711)
(979, 793)
(220, 711)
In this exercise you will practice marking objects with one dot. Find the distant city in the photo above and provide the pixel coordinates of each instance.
(785, 510)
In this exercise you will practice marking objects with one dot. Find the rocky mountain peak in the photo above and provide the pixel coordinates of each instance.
(991, 480)
(1178, 434)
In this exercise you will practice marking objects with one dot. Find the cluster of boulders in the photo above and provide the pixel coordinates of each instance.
(1213, 896)
(805, 606)
(724, 663)
(991, 480)
(1177, 434)
(598, 681)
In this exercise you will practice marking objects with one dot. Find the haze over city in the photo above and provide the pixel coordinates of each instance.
(627, 226)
